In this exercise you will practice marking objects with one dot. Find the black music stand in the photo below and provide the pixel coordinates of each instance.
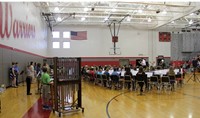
(193, 76)
(22, 75)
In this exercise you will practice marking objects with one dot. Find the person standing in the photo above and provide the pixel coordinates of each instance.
(38, 76)
(13, 75)
(32, 72)
(16, 70)
(28, 80)
(143, 63)
(45, 80)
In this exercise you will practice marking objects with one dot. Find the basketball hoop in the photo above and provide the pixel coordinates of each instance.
(114, 33)
(116, 51)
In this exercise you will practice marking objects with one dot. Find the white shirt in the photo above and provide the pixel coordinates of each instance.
(143, 63)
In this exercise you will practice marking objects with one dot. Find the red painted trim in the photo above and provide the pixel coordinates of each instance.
(18, 50)
(164, 57)
(177, 63)
(111, 57)
(6, 47)
(36, 111)
(103, 63)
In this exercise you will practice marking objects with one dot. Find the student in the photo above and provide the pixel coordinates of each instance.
(28, 80)
(13, 75)
(171, 71)
(32, 72)
(171, 74)
(115, 72)
(128, 72)
(45, 80)
(139, 74)
(16, 70)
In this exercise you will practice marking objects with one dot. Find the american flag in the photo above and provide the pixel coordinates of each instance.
(78, 35)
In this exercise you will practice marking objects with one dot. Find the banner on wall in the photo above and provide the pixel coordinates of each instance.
(78, 35)
(11, 26)
(164, 36)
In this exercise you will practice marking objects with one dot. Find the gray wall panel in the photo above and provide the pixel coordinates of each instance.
(7, 62)
(185, 46)
(1, 67)
(188, 42)
(8, 56)
(176, 47)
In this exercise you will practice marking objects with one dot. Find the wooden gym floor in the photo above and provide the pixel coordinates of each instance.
(100, 102)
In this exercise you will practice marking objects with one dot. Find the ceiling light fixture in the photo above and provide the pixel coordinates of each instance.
(59, 19)
(128, 19)
(164, 12)
(86, 9)
(149, 19)
(190, 22)
(191, 14)
(56, 9)
(172, 22)
(113, 10)
(105, 19)
(83, 18)
(140, 11)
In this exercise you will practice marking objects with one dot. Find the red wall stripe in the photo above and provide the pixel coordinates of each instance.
(102, 63)
(92, 61)
(18, 50)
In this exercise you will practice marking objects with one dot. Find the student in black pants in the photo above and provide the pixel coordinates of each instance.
(28, 81)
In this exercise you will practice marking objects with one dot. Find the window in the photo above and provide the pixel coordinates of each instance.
(66, 44)
(66, 35)
(56, 34)
(56, 44)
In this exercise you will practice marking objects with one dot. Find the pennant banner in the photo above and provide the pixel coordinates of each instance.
(164, 36)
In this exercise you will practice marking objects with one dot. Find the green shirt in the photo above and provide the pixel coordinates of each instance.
(45, 79)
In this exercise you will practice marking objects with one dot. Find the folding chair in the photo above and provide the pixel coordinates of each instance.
(154, 82)
(115, 81)
(179, 80)
(104, 80)
(140, 78)
(98, 79)
(127, 82)
(172, 81)
(165, 83)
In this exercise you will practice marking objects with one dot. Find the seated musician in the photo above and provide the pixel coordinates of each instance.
(115, 72)
(128, 72)
(107, 77)
(115, 78)
(171, 71)
(92, 74)
(107, 73)
(99, 72)
(140, 72)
